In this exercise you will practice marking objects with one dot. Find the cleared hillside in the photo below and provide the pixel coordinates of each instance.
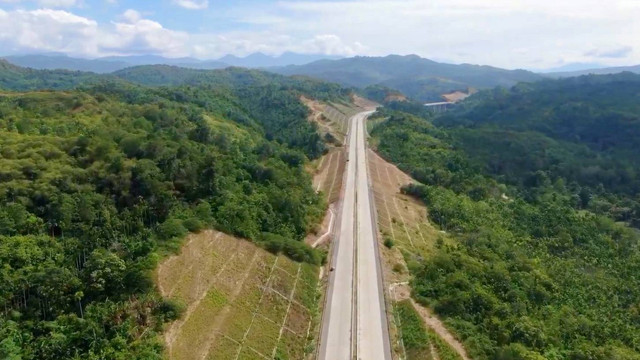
(242, 302)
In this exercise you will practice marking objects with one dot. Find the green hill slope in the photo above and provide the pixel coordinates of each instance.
(421, 79)
(583, 130)
(96, 182)
(529, 192)
(13, 77)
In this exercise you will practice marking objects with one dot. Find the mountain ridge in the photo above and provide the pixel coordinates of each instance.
(109, 64)
(595, 71)
(417, 77)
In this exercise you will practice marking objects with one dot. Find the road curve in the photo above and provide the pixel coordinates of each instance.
(355, 322)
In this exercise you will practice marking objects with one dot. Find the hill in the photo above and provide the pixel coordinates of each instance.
(61, 62)
(14, 77)
(594, 71)
(585, 130)
(259, 90)
(421, 79)
(110, 64)
(534, 190)
(98, 182)
(259, 60)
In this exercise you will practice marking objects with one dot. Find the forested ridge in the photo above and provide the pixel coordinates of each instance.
(98, 181)
(540, 269)
(419, 78)
(584, 130)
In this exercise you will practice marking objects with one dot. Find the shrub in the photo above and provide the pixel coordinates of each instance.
(171, 228)
(398, 267)
(169, 309)
(193, 224)
(295, 250)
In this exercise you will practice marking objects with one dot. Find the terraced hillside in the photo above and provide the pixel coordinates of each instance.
(242, 302)
(406, 233)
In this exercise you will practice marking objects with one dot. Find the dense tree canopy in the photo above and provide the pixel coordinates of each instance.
(540, 270)
(95, 183)
(584, 131)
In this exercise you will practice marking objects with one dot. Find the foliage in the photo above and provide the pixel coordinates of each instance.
(534, 274)
(22, 79)
(95, 183)
(413, 331)
(294, 249)
(267, 100)
(584, 132)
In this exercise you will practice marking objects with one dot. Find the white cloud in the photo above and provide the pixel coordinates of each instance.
(506, 33)
(142, 36)
(246, 42)
(47, 30)
(330, 44)
(192, 4)
(61, 31)
(47, 3)
(58, 3)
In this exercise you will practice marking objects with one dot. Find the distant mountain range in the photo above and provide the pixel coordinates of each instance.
(115, 63)
(419, 78)
(595, 71)
(259, 60)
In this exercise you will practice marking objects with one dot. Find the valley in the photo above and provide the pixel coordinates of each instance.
(160, 212)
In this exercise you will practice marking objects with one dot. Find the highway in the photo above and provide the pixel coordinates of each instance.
(354, 323)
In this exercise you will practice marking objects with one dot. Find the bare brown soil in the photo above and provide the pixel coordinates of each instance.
(364, 103)
(455, 96)
(395, 97)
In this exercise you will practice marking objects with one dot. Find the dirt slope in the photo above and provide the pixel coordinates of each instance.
(241, 301)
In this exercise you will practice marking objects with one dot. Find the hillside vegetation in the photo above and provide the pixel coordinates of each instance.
(532, 272)
(582, 132)
(97, 182)
(17, 78)
(418, 78)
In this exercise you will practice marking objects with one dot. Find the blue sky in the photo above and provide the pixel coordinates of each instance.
(507, 33)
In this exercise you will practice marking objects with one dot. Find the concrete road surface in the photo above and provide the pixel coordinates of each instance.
(355, 323)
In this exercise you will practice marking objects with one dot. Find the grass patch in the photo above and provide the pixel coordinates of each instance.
(239, 321)
(228, 309)
(282, 282)
(288, 265)
(273, 306)
(298, 320)
(291, 347)
(194, 333)
(445, 352)
(306, 292)
(413, 331)
(263, 335)
(223, 349)
(248, 354)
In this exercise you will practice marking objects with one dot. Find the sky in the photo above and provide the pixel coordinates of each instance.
(531, 34)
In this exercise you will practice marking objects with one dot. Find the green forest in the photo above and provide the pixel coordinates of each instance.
(539, 187)
(99, 181)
